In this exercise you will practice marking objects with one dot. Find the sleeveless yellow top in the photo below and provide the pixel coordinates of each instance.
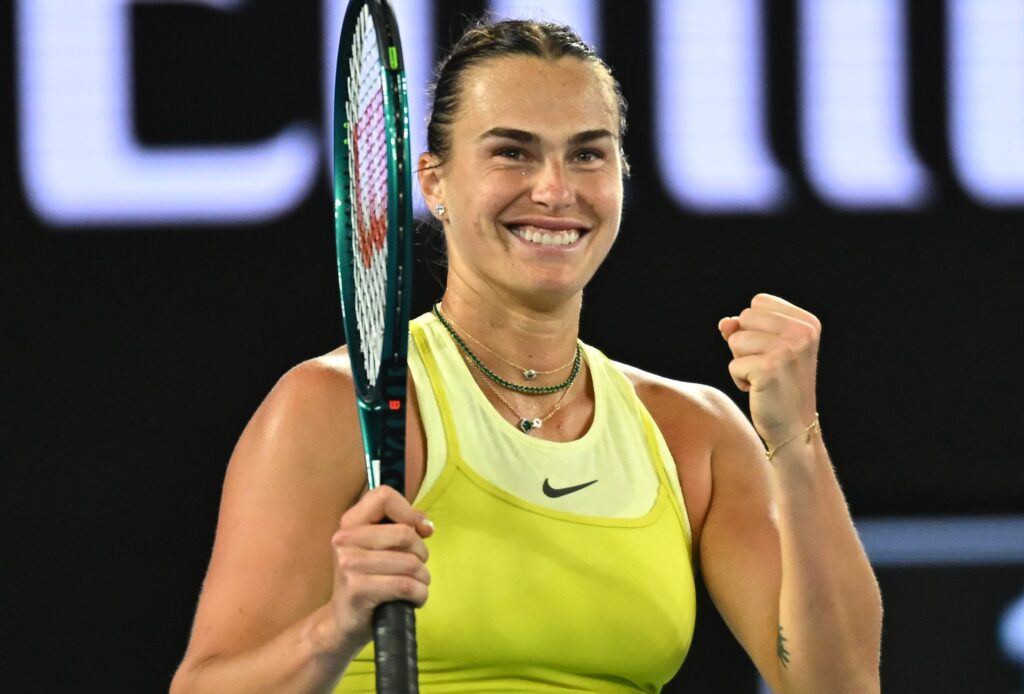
(536, 587)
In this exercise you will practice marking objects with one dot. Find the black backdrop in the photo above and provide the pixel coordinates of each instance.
(134, 356)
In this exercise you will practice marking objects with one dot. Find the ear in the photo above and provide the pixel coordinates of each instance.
(430, 179)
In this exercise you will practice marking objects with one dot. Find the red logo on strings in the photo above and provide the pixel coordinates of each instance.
(372, 228)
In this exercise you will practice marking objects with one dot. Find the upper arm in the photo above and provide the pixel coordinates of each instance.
(727, 490)
(295, 469)
(741, 557)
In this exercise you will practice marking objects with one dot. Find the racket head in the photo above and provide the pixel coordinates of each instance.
(373, 227)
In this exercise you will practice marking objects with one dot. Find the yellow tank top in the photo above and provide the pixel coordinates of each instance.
(540, 591)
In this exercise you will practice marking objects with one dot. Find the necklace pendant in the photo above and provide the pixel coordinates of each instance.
(528, 425)
(529, 374)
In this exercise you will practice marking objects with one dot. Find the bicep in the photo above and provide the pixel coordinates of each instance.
(293, 473)
(741, 558)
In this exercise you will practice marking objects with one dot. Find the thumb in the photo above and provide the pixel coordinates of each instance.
(386, 504)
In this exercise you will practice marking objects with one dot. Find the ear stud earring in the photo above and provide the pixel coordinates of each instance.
(440, 209)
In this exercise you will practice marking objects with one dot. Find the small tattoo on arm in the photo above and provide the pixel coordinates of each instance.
(780, 648)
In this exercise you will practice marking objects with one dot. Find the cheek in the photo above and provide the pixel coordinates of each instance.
(608, 196)
(486, 192)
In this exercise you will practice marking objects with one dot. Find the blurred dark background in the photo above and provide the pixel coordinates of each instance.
(147, 309)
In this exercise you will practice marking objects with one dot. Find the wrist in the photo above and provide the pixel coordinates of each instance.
(804, 435)
(327, 640)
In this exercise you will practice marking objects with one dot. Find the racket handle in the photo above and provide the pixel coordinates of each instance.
(394, 644)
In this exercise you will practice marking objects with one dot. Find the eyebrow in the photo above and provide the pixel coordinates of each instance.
(528, 137)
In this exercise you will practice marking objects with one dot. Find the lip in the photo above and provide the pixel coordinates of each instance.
(548, 223)
(576, 236)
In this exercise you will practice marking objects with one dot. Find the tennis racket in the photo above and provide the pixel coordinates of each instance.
(373, 231)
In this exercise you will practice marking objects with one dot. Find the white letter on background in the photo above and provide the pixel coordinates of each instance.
(855, 135)
(986, 89)
(710, 116)
(416, 29)
(80, 160)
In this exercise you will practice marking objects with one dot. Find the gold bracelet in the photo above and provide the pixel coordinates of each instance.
(811, 429)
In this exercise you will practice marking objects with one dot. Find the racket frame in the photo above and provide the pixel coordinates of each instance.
(382, 406)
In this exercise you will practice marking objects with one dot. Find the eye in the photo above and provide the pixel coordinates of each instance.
(589, 156)
(511, 153)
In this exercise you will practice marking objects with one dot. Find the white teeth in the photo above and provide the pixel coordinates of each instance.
(547, 238)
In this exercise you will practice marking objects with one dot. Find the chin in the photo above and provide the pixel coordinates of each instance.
(552, 291)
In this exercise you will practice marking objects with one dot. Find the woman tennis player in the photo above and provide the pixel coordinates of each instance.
(558, 502)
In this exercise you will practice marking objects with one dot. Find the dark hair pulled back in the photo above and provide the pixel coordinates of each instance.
(487, 40)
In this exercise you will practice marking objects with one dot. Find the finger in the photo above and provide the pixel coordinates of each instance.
(777, 323)
(370, 590)
(727, 326)
(382, 563)
(779, 305)
(764, 320)
(397, 536)
(746, 372)
(385, 502)
(746, 342)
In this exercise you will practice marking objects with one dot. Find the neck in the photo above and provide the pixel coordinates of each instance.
(539, 336)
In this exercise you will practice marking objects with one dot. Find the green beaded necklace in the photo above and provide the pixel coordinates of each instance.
(527, 390)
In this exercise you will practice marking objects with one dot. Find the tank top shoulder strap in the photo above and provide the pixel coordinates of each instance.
(435, 412)
(661, 456)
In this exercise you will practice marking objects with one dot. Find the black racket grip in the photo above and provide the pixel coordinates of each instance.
(394, 644)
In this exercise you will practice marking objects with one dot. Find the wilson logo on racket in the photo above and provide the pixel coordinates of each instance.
(371, 207)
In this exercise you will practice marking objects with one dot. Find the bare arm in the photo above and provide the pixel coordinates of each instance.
(780, 555)
(298, 564)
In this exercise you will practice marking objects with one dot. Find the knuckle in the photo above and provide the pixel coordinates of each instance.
(413, 591)
(803, 341)
(347, 562)
(410, 563)
(387, 493)
(356, 584)
(409, 536)
(401, 536)
(350, 518)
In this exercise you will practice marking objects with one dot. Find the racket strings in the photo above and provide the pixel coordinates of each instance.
(368, 176)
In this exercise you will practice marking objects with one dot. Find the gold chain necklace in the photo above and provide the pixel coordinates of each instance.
(528, 374)
(525, 425)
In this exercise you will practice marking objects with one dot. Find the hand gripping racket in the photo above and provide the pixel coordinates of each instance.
(373, 231)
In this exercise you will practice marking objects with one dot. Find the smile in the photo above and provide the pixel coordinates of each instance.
(546, 237)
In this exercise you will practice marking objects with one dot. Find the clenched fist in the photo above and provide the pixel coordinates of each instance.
(775, 354)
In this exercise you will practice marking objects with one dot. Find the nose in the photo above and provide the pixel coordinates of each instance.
(551, 185)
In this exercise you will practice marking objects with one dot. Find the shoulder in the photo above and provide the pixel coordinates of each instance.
(320, 376)
(675, 403)
(699, 424)
(308, 422)
(314, 391)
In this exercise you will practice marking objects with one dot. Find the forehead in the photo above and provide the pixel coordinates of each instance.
(538, 95)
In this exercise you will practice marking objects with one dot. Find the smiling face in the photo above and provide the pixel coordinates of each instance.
(533, 184)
